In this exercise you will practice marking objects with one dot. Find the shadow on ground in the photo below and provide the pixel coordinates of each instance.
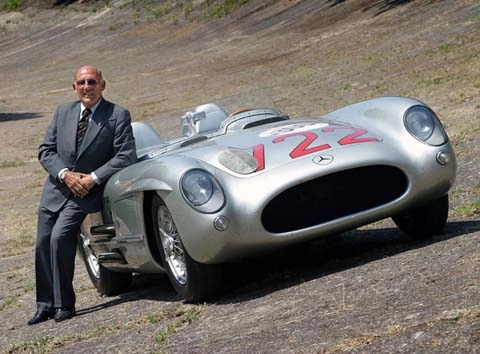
(154, 287)
(289, 267)
(260, 276)
(5, 117)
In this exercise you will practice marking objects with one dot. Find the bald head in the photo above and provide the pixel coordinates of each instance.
(90, 69)
(88, 83)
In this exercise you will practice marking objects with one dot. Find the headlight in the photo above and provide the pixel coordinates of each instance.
(202, 191)
(423, 124)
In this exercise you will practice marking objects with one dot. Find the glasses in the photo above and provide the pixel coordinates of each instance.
(86, 82)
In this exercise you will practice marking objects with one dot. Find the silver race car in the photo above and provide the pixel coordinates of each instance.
(251, 181)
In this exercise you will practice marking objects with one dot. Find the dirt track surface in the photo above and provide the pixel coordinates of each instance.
(368, 291)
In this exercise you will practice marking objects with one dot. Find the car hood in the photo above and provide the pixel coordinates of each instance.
(268, 146)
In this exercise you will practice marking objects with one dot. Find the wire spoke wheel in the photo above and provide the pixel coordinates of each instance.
(91, 261)
(192, 280)
(171, 244)
(106, 281)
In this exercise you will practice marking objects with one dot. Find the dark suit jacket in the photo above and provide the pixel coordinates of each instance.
(108, 147)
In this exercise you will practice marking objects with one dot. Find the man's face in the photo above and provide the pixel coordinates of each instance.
(89, 86)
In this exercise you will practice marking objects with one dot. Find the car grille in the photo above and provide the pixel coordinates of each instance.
(333, 196)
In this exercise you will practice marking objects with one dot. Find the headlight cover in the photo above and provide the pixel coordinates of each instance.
(424, 125)
(238, 161)
(202, 191)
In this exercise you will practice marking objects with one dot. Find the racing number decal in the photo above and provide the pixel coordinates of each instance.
(259, 155)
(351, 138)
(305, 146)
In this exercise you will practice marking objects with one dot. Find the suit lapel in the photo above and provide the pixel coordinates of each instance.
(95, 124)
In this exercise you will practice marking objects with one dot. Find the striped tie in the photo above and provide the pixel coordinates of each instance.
(82, 126)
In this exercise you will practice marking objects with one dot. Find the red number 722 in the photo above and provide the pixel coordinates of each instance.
(306, 146)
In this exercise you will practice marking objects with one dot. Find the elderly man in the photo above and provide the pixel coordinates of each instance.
(87, 141)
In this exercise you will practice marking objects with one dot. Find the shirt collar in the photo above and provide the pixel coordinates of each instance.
(82, 107)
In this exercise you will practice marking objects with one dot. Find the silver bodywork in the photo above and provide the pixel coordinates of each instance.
(255, 156)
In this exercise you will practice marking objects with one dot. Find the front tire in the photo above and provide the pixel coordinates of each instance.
(425, 221)
(106, 281)
(192, 280)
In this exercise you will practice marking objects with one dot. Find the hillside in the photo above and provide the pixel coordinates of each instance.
(368, 291)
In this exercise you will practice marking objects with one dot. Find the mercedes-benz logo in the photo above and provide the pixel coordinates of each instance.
(322, 159)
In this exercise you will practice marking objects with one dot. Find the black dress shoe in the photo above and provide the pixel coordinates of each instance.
(64, 313)
(40, 316)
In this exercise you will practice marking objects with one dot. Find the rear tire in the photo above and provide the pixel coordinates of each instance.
(193, 281)
(425, 221)
(106, 281)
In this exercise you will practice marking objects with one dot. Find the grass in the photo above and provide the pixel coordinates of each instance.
(361, 341)
(223, 8)
(466, 135)
(467, 200)
(184, 316)
(150, 9)
(10, 164)
(346, 87)
(430, 83)
(18, 244)
(190, 10)
(444, 48)
(176, 318)
(10, 5)
(10, 302)
(467, 210)
(19, 282)
(40, 345)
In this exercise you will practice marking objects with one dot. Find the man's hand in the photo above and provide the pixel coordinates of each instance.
(79, 183)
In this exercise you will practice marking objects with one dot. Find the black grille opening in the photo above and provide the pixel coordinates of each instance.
(333, 196)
